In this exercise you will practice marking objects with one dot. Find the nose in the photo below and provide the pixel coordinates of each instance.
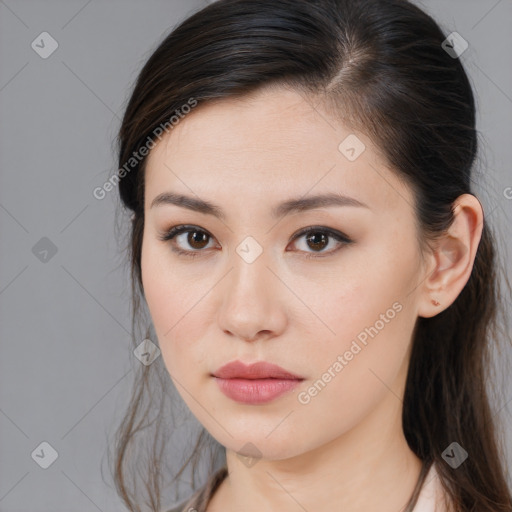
(253, 300)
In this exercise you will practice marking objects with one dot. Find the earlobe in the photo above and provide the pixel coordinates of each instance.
(453, 258)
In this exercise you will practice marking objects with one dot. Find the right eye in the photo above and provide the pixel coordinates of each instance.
(195, 237)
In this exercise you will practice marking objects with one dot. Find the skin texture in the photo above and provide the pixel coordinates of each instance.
(345, 448)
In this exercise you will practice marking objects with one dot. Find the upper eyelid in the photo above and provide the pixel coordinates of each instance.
(185, 228)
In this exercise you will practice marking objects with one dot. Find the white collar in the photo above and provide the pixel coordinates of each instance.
(430, 498)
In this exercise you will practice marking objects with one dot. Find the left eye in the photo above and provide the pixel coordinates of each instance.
(198, 239)
(318, 238)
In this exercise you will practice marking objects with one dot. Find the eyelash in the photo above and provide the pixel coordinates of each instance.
(170, 234)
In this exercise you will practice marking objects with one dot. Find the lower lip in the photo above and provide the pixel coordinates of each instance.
(255, 391)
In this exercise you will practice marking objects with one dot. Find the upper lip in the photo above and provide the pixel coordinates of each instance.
(259, 370)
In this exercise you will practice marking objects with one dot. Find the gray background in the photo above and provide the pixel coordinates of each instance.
(66, 363)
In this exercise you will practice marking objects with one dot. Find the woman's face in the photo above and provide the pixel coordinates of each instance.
(337, 313)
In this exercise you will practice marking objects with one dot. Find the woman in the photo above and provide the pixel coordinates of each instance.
(317, 268)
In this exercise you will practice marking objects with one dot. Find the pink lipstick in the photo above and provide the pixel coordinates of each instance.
(257, 383)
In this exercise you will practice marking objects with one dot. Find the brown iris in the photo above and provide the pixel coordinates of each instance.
(314, 237)
(197, 237)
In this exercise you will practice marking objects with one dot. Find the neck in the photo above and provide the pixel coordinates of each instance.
(370, 467)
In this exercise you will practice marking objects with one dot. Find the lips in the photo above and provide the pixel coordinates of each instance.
(259, 370)
(255, 384)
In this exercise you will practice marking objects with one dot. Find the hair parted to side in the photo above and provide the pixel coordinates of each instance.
(379, 65)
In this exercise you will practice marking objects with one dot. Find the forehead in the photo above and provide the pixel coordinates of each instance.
(272, 144)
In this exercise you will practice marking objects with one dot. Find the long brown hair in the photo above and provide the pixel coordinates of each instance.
(380, 65)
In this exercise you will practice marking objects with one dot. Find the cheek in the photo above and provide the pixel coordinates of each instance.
(373, 334)
(175, 307)
(364, 326)
(163, 302)
(156, 285)
(359, 367)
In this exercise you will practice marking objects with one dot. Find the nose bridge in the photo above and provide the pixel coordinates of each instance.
(250, 275)
(250, 297)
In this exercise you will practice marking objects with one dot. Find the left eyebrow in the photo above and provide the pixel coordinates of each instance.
(282, 209)
(319, 201)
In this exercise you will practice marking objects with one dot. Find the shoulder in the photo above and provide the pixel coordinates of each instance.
(187, 505)
(177, 508)
(199, 500)
(432, 497)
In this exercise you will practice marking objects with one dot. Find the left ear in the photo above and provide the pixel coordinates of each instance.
(450, 265)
